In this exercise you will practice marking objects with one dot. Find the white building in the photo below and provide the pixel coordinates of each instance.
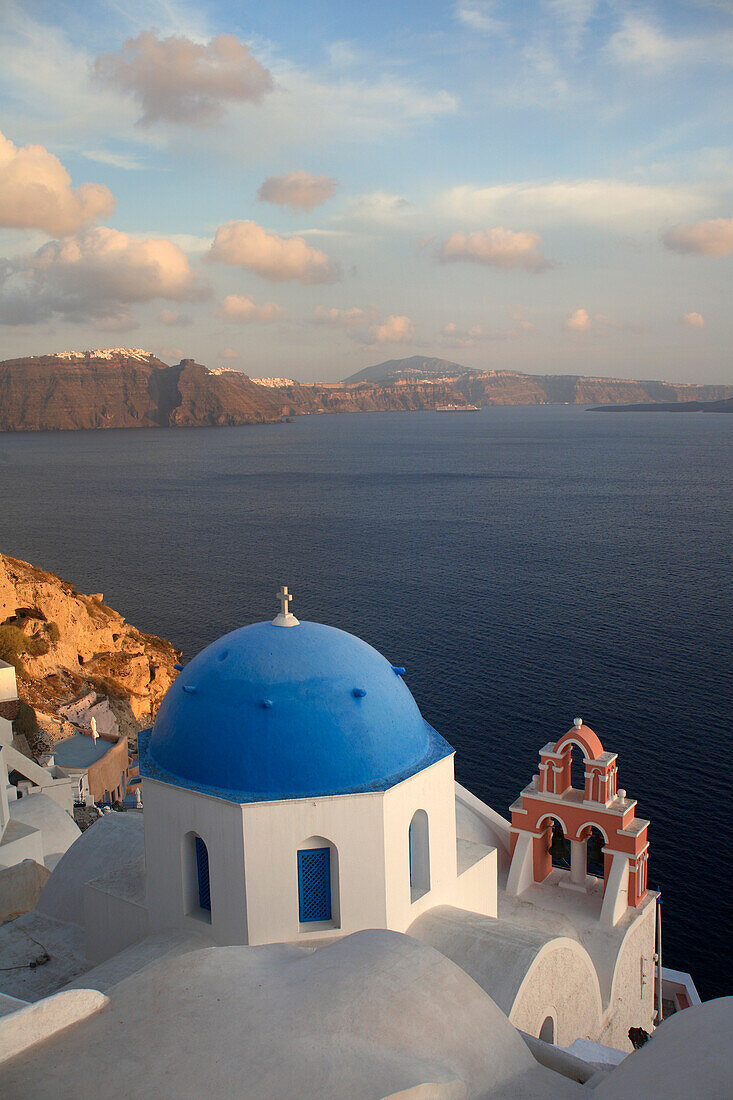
(35, 813)
(295, 796)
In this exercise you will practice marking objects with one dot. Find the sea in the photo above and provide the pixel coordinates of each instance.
(527, 565)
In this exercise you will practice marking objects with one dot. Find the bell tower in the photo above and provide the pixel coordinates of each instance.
(550, 798)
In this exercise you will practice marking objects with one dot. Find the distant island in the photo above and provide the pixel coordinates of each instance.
(724, 405)
(131, 388)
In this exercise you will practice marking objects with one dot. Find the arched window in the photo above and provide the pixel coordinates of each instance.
(196, 883)
(419, 842)
(202, 874)
(318, 890)
(547, 1031)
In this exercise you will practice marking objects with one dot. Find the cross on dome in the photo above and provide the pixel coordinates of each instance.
(285, 617)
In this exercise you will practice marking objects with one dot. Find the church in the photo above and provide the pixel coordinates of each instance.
(299, 812)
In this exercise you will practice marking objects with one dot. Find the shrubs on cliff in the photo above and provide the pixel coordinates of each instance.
(15, 644)
(25, 722)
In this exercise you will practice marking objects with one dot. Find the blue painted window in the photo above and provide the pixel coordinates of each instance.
(202, 870)
(314, 884)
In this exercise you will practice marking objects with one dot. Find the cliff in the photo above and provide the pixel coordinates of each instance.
(125, 388)
(66, 646)
(129, 388)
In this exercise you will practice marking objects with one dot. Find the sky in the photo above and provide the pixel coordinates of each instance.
(301, 190)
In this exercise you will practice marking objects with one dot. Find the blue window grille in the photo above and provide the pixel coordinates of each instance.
(314, 884)
(202, 870)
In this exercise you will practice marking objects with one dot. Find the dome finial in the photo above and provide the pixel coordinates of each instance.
(286, 617)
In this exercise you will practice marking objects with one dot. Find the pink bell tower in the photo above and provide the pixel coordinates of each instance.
(600, 804)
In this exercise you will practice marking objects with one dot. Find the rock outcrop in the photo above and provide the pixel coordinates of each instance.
(66, 646)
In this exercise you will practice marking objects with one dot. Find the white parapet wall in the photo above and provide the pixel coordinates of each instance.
(8, 685)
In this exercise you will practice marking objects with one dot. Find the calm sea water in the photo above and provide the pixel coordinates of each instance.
(527, 565)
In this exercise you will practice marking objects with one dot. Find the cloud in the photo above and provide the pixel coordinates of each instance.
(395, 330)
(578, 321)
(237, 308)
(173, 318)
(119, 321)
(36, 192)
(247, 244)
(177, 80)
(694, 320)
(228, 353)
(456, 337)
(495, 247)
(478, 15)
(94, 275)
(639, 42)
(602, 203)
(299, 190)
(378, 206)
(341, 318)
(707, 238)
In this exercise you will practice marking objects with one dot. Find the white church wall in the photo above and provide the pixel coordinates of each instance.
(432, 791)
(171, 815)
(274, 832)
(111, 923)
(560, 983)
(631, 1002)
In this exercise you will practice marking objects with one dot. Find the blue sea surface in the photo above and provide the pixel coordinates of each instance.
(527, 565)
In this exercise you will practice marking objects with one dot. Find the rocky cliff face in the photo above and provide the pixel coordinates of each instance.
(66, 645)
(125, 390)
(128, 388)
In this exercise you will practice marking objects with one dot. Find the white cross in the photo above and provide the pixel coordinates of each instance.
(286, 617)
(284, 597)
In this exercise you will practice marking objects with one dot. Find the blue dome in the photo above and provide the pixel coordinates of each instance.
(270, 712)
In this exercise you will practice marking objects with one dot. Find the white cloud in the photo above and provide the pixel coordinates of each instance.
(603, 203)
(228, 353)
(341, 318)
(300, 190)
(639, 42)
(455, 336)
(127, 161)
(36, 192)
(578, 321)
(95, 274)
(497, 247)
(177, 80)
(395, 330)
(119, 321)
(694, 320)
(247, 244)
(478, 15)
(378, 206)
(706, 238)
(235, 307)
(173, 318)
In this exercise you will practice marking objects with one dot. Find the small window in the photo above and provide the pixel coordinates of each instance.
(202, 872)
(419, 844)
(314, 884)
(547, 1031)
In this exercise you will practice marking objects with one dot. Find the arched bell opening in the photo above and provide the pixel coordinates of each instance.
(559, 846)
(595, 859)
(577, 768)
